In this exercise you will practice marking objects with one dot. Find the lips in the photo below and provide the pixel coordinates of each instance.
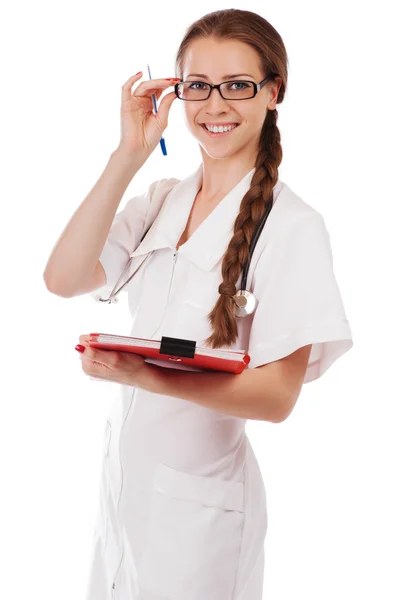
(222, 124)
(218, 134)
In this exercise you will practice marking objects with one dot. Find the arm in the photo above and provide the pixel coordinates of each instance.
(75, 255)
(267, 393)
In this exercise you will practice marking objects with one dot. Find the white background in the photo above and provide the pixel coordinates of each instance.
(331, 470)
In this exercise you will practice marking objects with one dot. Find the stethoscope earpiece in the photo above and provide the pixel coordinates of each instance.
(108, 300)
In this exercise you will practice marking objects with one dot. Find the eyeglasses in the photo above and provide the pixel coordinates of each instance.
(229, 90)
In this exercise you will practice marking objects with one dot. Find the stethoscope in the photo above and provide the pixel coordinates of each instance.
(245, 301)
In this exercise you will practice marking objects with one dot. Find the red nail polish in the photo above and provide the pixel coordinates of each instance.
(80, 348)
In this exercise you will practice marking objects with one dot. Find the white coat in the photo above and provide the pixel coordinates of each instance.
(182, 513)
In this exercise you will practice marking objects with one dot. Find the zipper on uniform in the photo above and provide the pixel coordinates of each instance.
(169, 291)
(122, 479)
(116, 574)
(172, 276)
(115, 577)
(120, 494)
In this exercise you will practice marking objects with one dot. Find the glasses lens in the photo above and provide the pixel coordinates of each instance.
(231, 90)
(237, 90)
(193, 90)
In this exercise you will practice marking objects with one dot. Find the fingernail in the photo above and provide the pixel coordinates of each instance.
(80, 348)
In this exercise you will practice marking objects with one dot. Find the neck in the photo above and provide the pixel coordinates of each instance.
(221, 176)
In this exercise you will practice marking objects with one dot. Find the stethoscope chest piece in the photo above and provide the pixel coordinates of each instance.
(246, 303)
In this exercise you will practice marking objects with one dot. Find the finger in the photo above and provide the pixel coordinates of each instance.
(126, 91)
(127, 87)
(158, 93)
(153, 85)
(108, 359)
(165, 106)
(91, 367)
(84, 340)
(94, 354)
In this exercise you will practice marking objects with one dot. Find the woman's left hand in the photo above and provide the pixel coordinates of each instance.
(121, 367)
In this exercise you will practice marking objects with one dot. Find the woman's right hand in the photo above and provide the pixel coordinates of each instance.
(141, 129)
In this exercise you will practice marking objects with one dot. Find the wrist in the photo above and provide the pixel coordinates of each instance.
(148, 377)
(131, 159)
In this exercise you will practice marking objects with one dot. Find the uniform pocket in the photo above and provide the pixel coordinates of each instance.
(194, 536)
(202, 286)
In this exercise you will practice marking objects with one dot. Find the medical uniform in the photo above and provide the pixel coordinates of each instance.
(182, 510)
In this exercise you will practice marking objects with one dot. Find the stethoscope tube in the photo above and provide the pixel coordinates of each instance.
(245, 301)
(112, 297)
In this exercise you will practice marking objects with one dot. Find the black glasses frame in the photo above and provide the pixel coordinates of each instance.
(257, 87)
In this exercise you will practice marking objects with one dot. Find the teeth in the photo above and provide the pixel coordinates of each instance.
(220, 129)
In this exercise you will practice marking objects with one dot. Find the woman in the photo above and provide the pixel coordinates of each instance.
(183, 512)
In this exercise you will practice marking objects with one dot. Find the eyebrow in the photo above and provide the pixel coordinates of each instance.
(224, 78)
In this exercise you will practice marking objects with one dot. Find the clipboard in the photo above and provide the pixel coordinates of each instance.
(175, 353)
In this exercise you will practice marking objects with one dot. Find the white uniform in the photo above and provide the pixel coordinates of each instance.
(183, 512)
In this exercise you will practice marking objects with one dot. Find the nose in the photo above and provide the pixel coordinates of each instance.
(215, 100)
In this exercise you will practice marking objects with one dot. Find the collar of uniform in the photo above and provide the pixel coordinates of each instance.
(207, 245)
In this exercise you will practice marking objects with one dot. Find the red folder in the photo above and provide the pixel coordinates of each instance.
(174, 353)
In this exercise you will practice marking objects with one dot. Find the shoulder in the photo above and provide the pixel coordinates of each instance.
(163, 186)
(291, 212)
(292, 227)
(157, 193)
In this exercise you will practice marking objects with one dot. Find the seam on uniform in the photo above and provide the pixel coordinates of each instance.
(243, 522)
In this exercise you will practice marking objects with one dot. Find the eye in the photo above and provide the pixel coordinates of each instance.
(197, 83)
(239, 83)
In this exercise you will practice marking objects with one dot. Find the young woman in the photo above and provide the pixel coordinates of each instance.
(183, 512)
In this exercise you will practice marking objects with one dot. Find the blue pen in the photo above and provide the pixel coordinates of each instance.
(162, 141)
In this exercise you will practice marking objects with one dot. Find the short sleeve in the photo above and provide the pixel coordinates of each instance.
(127, 229)
(299, 301)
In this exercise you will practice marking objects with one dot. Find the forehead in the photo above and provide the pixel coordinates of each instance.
(217, 58)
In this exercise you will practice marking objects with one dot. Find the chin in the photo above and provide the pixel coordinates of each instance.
(217, 154)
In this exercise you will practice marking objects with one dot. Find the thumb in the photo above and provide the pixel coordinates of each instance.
(165, 105)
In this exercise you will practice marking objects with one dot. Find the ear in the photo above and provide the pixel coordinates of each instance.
(275, 87)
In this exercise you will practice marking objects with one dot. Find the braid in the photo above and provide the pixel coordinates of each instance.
(253, 206)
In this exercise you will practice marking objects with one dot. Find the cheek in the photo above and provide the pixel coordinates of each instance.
(190, 115)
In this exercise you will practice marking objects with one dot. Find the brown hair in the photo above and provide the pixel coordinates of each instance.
(252, 29)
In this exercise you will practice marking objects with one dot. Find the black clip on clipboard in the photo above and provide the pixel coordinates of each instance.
(177, 347)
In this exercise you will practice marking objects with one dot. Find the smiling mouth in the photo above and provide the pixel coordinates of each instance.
(219, 134)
